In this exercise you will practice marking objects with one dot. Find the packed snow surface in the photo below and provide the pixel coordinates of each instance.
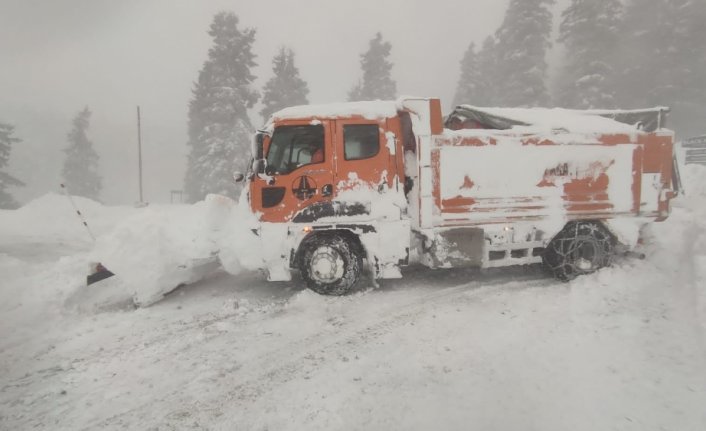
(506, 349)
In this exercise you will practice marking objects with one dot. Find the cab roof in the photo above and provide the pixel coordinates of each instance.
(370, 110)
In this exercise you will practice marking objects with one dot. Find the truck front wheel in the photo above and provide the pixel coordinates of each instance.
(580, 248)
(330, 265)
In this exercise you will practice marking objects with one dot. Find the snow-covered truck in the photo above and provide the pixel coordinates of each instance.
(341, 186)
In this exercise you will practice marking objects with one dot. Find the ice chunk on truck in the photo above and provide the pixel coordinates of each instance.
(336, 187)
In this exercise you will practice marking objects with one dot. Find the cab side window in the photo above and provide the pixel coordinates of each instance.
(361, 141)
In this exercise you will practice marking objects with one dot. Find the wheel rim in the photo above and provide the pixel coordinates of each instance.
(326, 265)
(584, 255)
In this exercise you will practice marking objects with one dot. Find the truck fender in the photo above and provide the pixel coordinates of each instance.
(319, 233)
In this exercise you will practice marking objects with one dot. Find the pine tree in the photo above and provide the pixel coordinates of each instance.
(522, 43)
(377, 84)
(80, 172)
(286, 88)
(648, 69)
(470, 84)
(689, 52)
(475, 83)
(7, 180)
(590, 31)
(663, 60)
(219, 127)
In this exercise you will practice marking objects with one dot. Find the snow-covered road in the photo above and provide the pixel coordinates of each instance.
(622, 349)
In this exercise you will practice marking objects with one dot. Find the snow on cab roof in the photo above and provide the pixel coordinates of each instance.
(575, 121)
(370, 110)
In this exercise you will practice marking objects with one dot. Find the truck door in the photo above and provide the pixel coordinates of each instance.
(363, 156)
(298, 170)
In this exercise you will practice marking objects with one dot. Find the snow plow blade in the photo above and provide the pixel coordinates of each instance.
(139, 291)
(98, 273)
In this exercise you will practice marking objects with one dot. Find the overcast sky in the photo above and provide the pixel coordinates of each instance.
(58, 56)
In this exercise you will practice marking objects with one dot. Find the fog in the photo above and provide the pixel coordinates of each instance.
(58, 57)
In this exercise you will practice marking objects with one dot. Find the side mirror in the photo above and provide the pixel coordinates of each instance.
(258, 166)
(238, 177)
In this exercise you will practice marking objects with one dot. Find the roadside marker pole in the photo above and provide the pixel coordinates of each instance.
(73, 204)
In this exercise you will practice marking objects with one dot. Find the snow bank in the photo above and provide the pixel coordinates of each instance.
(694, 201)
(52, 218)
(694, 178)
(680, 242)
(151, 250)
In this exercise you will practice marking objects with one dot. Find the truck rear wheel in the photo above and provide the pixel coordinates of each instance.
(580, 248)
(331, 265)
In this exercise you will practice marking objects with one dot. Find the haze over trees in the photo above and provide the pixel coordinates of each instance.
(377, 82)
(590, 32)
(80, 171)
(521, 45)
(664, 56)
(219, 126)
(614, 54)
(468, 88)
(607, 54)
(7, 141)
(286, 87)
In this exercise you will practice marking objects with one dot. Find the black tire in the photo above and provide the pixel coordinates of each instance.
(331, 265)
(580, 248)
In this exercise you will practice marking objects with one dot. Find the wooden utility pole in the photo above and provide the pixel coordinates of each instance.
(139, 150)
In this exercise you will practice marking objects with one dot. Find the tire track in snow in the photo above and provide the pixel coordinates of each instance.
(291, 361)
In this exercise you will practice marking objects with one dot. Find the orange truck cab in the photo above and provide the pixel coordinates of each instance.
(344, 187)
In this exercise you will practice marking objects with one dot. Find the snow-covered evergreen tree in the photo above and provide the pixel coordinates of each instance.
(688, 96)
(522, 43)
(476, 69)
(692, 16)
(7, 180)
(286, 88)
(80, 171)
(488, 62)
(590, 31)
(663, 59)
(648, 53)
(377, 82)
(219, 127)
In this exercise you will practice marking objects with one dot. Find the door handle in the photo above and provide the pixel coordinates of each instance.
(327, 190)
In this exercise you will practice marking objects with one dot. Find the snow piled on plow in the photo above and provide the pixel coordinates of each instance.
(158, 249)
(154, 250)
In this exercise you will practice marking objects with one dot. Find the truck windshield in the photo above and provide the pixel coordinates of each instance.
(295, 146)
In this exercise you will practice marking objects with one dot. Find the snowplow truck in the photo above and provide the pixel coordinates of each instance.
(341, 188)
